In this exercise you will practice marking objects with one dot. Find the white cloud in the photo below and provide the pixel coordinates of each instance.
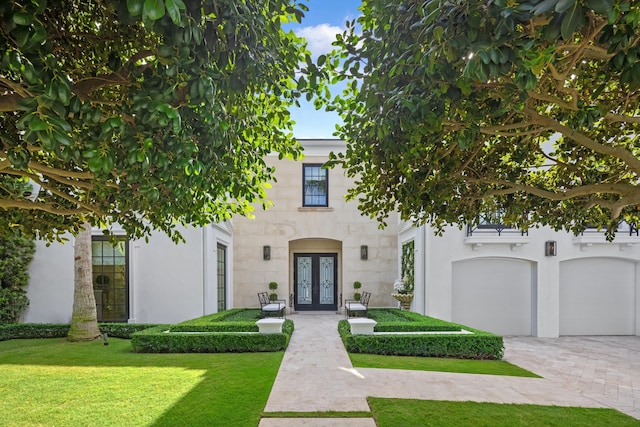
(319, 37)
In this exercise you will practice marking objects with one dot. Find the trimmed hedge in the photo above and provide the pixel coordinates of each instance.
(480, 345)
(158, 340)
(230, 331)
(125, 330)
(33, 330)
(60, 330)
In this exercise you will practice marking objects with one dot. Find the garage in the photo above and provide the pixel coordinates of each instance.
(493, 294)
(597, 297)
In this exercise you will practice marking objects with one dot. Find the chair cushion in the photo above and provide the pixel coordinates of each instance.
(356, 306)
(273, 307)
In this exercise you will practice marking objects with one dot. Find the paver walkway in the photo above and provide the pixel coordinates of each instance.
(316, 375)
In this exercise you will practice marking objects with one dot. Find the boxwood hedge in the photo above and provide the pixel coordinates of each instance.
(231, 331)
(479, 345)
(60, 330)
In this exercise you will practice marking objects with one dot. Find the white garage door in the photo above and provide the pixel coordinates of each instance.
(597, 297)
(493, 294)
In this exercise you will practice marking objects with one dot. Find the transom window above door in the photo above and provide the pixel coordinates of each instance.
(315, 185)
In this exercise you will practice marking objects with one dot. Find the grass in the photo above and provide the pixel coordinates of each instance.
(418, 413)
(464, 366)
(53, 382)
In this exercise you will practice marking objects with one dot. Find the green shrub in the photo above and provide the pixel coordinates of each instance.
(60, 330)
(16, 253)
(13, 301)
(157, 340)
(124, 330)
(232, 330)
(479, 345)
(33, 330)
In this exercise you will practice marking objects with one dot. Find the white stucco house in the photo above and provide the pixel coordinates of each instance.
(311, 242)
(314, 244)
(541, 283)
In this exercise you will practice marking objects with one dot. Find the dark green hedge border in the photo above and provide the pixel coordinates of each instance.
(214, 333)
(60, 330)
(480, 345)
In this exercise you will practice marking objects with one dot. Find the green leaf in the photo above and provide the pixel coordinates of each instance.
(135, 7)
(563, 5)
(544, 7)
(173, 9)
(600, 6)
(95, 164)
(153, 9)
(62, 138)
(570, 21)
(37, 124)
(22, 18)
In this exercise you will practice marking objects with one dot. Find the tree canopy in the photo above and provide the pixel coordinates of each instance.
(528, 108)
(141, 112)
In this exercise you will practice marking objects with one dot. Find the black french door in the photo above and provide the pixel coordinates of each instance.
(316, 277)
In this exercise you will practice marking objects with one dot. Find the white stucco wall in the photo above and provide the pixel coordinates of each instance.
(50, 289)
(168, 282)
(618, 261)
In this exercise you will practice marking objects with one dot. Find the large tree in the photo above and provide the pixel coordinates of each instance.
(529, 108)
(146, 113)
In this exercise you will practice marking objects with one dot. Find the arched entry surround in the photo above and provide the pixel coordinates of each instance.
(315, 248)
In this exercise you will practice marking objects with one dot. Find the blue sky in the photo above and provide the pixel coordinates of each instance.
(321, 23)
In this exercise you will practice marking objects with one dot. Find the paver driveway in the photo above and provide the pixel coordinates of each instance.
(317, 375)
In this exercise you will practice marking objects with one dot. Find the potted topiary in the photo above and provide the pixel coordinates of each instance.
(272, 287)
(357, 295)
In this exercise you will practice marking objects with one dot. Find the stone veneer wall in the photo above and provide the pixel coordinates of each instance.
(287, 227)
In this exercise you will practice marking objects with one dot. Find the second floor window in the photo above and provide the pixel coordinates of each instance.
(315, 185)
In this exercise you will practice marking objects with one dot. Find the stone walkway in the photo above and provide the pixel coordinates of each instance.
(316, 375)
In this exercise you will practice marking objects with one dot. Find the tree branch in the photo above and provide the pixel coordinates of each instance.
(48, 170)
(615, 118)
(26, 204)
(573, 106)
(571, 193)
(618, 152)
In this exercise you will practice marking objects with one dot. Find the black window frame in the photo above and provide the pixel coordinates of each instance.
(221, 274)
(304, 185)
(127, 283)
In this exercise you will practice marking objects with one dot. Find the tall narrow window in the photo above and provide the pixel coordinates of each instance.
(315, 191)
(222, 278)
(111, 279)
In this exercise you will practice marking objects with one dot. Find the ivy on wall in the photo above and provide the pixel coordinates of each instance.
(16, 253)
(408, 262)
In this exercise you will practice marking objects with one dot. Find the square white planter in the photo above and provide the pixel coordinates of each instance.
(361, 326)
(270, 326)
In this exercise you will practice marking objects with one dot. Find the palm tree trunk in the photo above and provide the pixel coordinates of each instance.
(84, 320)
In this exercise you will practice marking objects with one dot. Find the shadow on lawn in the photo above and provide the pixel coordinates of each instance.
(232, 391)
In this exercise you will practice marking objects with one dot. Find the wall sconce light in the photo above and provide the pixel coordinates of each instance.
(364, 252)
(550, 248)
(266, 252)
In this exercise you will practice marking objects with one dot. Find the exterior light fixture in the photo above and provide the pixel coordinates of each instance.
(550, 248)
(266, 252)
(364, 252)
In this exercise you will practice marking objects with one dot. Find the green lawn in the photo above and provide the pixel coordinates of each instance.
(465, 366)
(51, 382)
(419, 413)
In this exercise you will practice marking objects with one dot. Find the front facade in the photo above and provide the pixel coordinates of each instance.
(315, 245)
(541, 283)
(312, 242)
